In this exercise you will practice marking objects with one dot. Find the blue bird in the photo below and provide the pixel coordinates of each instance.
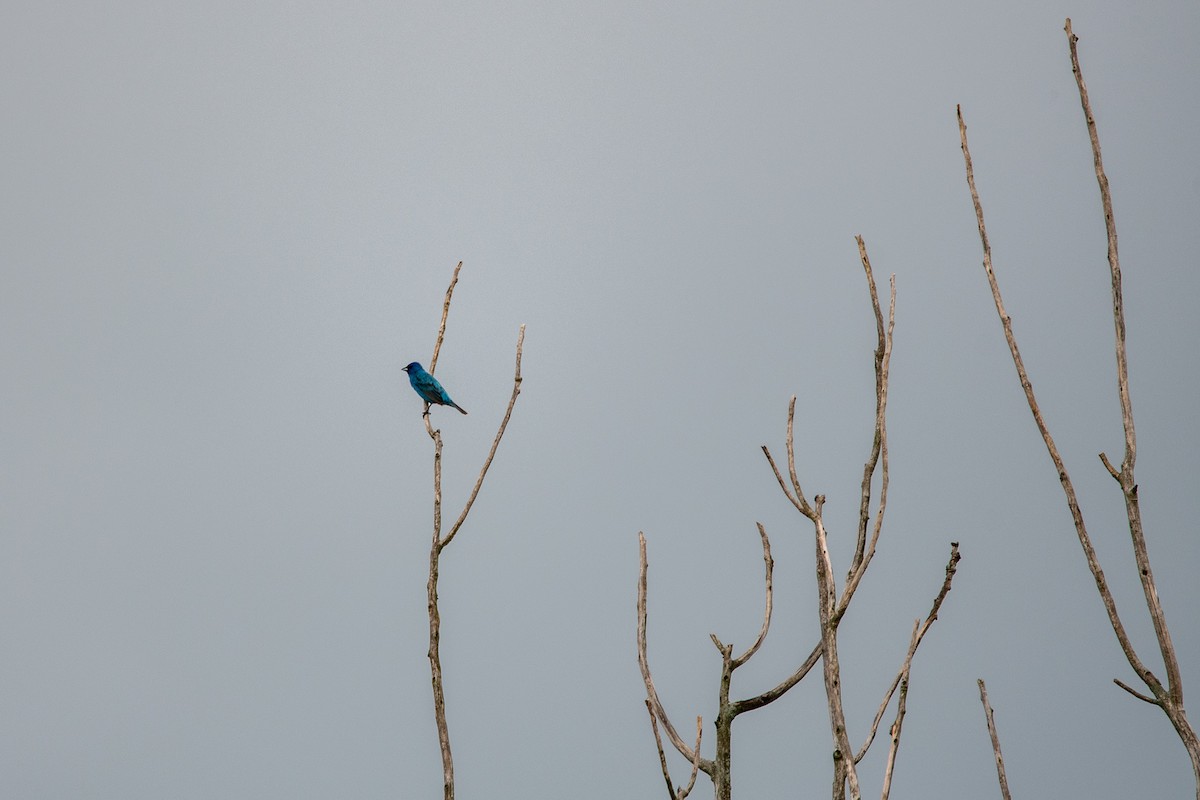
(428, 387)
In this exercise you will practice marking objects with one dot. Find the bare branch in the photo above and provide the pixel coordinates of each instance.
(512, 401)
(662, 756)
(684, 792)
(1136, 693)
(435, 629)
(752, 703)
(897, 725)
(1085, 541)
(769, 565)
(1111, 469)
(439, 543)
(644, 663)
(1128, 484)
(880, 401)
(826, 599)
(918, 635)
(991, 723)
(437, 347)
(800, 504)
(791, 452)
(435, 550)
(879, 449)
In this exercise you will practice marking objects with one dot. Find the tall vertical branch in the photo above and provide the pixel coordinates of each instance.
(991, 725)
(1169, 697)
(439, 542)
(1125, 476)
(830, 607)
(657, 712)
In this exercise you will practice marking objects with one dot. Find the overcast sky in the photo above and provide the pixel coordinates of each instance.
(225, 228)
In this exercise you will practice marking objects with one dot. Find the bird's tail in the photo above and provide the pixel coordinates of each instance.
(460, 408)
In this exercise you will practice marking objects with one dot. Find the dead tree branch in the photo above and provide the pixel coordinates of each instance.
(439, 543)
(991, 724)
(656, 707)
(919, 631)
(830, 607)
(718, 768)
(1170, 696)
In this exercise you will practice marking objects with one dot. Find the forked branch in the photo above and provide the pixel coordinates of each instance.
(1170, 696)
(439, 542)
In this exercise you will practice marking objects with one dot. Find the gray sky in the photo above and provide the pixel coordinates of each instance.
(226, 228)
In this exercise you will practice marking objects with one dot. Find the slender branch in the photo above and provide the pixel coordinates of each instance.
(800, 504)
(906, 670)
(991, 724)
(918, 635)
(1128, 484)
(880, 450)
(1152, 701)
(690, 754)
(437, 347)
(880, 402)
(769, 565)
(684, 792)
(831, 609)
(1169, 697)
(438, 544)
(770, 696)
(495, 443)
(1111, 469)
(1085, 541)
(897, 726)
(791, 452)
(662, 756)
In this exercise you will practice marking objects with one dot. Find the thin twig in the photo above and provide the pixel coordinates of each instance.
(864, 508)
(437, 347)
(769, 565)
(662, 756)
(1152, 701)
(495, 442)
(897, 726)
(991, 724)
(918, 635)
(690, 754)
(879, 456)
(800, 504)
(684, 792)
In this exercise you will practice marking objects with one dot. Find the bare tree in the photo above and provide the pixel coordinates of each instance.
(1168, 696)
(831, 607)
(440, 541)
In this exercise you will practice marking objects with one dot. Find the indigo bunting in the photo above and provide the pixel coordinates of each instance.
(428, 387)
